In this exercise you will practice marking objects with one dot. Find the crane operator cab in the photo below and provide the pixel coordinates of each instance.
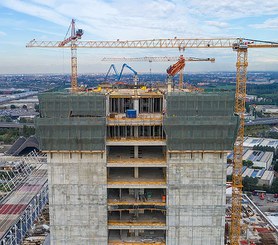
(79, 33)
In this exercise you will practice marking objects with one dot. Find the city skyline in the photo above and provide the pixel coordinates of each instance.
(21, 21)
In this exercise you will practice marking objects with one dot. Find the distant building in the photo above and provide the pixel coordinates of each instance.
(267, 178)
(250, 142)
(250, 98)
(260, 159)
(264, 176)
(271, 110)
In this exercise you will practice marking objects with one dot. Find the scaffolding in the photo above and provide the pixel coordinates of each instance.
(24, 203)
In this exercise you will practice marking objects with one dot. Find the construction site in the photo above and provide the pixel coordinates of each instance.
(145, 165)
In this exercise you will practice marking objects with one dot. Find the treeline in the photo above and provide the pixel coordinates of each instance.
(10, 135)
(267, 91)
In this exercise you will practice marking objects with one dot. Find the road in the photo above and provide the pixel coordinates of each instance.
(8, 98)
(260, 121)
(15, 125)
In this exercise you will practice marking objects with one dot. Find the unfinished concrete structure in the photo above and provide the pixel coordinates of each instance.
(137, 166)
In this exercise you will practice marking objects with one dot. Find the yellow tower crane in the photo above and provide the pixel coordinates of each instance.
(74, 35)
(159, 59)
(241, 46)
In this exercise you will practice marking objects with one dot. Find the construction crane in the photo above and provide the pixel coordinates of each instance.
(156, 59)
(119, 75)
(173, 70)
(136, 79)
(74, 36)
(160, 59)
(115, 71)
(241, 46)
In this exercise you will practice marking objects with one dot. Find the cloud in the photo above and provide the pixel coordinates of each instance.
(2, 33)
(144, 19)
(217, 24)
(268, 24)
(116, 19)
(226, 9)
(35, 10)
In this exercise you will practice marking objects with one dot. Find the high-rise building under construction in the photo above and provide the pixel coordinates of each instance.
(137, 166)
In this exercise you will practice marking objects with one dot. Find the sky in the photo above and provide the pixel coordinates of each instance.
(24, 20)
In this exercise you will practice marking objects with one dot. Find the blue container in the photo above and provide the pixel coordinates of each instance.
(130, 113)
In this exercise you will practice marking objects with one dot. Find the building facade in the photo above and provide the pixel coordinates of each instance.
(141, 166)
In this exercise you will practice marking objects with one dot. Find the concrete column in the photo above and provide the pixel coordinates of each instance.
(107, 105)
(136, 106)
(136, 132)
(136, 151)
(169, 84)
(136, 172)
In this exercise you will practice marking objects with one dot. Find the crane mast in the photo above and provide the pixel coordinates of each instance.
(75, 35)
(238, 44)
(173, 70)
(240, 96)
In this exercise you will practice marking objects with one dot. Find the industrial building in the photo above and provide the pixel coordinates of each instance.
(265, 176)
(260, 159)
(137, 165)
(250, 142)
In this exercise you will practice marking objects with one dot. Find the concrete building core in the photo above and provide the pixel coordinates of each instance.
(132, 166)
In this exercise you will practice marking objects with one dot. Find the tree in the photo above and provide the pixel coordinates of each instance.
(24, 107)
(249, 183)
(8, 119)
(229, 178)
(274, 186)
(12, 106)
(23, 120)
(247, 163)
(28, 131)
(276, 167)
(37, 107)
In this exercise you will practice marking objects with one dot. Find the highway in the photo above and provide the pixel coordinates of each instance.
(15, 125)
(8, 98)
(261, 121)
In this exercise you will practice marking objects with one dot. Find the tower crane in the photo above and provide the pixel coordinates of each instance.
(241, 46)
(156, 59)
(173, 70)
(160, 59)
(74, 36)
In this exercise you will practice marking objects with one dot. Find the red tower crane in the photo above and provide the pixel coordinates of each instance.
(173, 70)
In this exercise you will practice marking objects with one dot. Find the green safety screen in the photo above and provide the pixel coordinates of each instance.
(71, 122)
(200, 121)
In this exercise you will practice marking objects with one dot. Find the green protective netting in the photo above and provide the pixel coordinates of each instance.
(71, 122)
(203, 104)
(64, 105)
(198, 123)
